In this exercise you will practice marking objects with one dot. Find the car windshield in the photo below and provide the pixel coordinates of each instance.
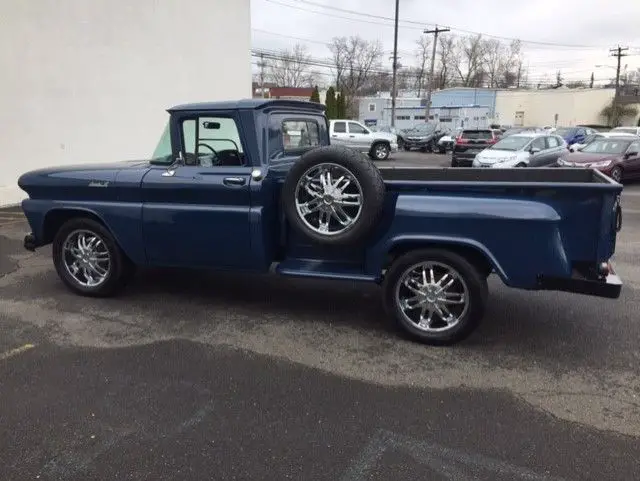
(512, 143)
(606, 146)
(162, 153)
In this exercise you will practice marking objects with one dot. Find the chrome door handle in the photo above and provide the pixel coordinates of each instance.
(234, 181)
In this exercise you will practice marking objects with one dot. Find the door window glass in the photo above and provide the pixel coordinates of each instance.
(212, 142)
(552, 142)
(538, 143)
(357, 128)
(340, 128)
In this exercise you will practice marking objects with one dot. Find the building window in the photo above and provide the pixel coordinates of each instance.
(372, 107)
(419, 117)
(403, 117)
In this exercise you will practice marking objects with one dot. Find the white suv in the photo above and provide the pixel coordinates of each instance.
(355, 135)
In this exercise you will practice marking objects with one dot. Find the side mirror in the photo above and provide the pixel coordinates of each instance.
(628, 155)
(534, 150)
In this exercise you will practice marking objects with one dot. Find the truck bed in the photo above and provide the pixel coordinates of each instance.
(516, 175)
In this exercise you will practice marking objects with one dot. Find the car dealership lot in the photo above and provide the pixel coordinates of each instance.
(256, 377)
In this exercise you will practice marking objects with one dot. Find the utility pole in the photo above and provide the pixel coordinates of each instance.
(395, 67)
(261, 65)
(619, 53)
(435, 33)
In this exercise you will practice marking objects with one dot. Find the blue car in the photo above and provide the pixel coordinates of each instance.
(574, 135)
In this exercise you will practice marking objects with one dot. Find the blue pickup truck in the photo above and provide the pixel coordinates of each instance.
(255, 185)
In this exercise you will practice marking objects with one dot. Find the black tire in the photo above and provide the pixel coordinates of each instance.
(121, 269)
(454, 162)
(616, 174)
(521, 164)
(442, 150)
(371, 185)
(476, 289)
(380, 151)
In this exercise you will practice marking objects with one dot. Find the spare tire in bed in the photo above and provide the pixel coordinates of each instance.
(333, 195)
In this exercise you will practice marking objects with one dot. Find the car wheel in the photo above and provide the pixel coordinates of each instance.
(380, 151)
(88, 259)
(521, 164)
(442, 150)
(616, 174)
(333, 195)
(435, 296)
(454, 162)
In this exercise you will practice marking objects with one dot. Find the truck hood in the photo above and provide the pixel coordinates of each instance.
(99, 173)
(386, 136)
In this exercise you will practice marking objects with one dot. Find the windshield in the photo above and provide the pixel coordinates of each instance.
(512, 143)
(606, 146)
(477, 134)
(162, 153)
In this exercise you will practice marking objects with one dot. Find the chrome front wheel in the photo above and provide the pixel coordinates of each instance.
(89, 260)
(86, 258)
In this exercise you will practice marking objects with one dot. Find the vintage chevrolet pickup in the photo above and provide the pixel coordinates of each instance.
(255, 184)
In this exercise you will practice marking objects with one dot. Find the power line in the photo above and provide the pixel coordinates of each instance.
(412, 22)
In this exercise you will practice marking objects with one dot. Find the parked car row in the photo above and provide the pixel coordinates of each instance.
(615, 153)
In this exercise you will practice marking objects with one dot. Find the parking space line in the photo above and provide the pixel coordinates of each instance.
(14, 352)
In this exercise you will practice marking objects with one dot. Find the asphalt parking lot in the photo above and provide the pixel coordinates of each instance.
(224, 376)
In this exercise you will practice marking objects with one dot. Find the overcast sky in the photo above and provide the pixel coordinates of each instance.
(571, 35)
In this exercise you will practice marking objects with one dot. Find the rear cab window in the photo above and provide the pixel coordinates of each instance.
(291, 135)
(340, 127)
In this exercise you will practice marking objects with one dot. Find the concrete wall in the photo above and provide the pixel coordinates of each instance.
(572, 106)
(89, 81)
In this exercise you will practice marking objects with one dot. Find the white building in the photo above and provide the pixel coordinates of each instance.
(89, 81)
(555, 107)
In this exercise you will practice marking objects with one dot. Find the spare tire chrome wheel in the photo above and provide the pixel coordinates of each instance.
(328, 199)
(436, 296)
(333, 195)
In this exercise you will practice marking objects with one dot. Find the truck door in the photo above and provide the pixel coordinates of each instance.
(197, 214)
(339, 133)
(360, 137)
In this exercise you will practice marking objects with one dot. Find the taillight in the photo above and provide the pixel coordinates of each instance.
(460, 140)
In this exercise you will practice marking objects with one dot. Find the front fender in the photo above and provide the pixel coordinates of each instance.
(123, 220)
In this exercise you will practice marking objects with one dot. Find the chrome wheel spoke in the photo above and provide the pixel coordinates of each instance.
(341, 216)
(328, 199)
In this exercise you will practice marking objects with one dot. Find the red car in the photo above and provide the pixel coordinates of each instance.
(617, 157)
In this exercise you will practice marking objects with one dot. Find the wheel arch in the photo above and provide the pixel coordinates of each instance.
(55, 218)
(475, 252)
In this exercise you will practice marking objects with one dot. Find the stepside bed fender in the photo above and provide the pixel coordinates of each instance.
(469, 248)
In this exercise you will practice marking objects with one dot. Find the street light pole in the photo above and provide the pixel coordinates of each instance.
(395, 67)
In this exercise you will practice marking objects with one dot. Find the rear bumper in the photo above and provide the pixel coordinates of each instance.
(608, 287)
(417, 144)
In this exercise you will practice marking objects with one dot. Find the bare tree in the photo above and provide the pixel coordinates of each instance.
(446, 58)
(423, 55)
(469, 60)
(494, 61)
(291, 68)
(354, 60)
